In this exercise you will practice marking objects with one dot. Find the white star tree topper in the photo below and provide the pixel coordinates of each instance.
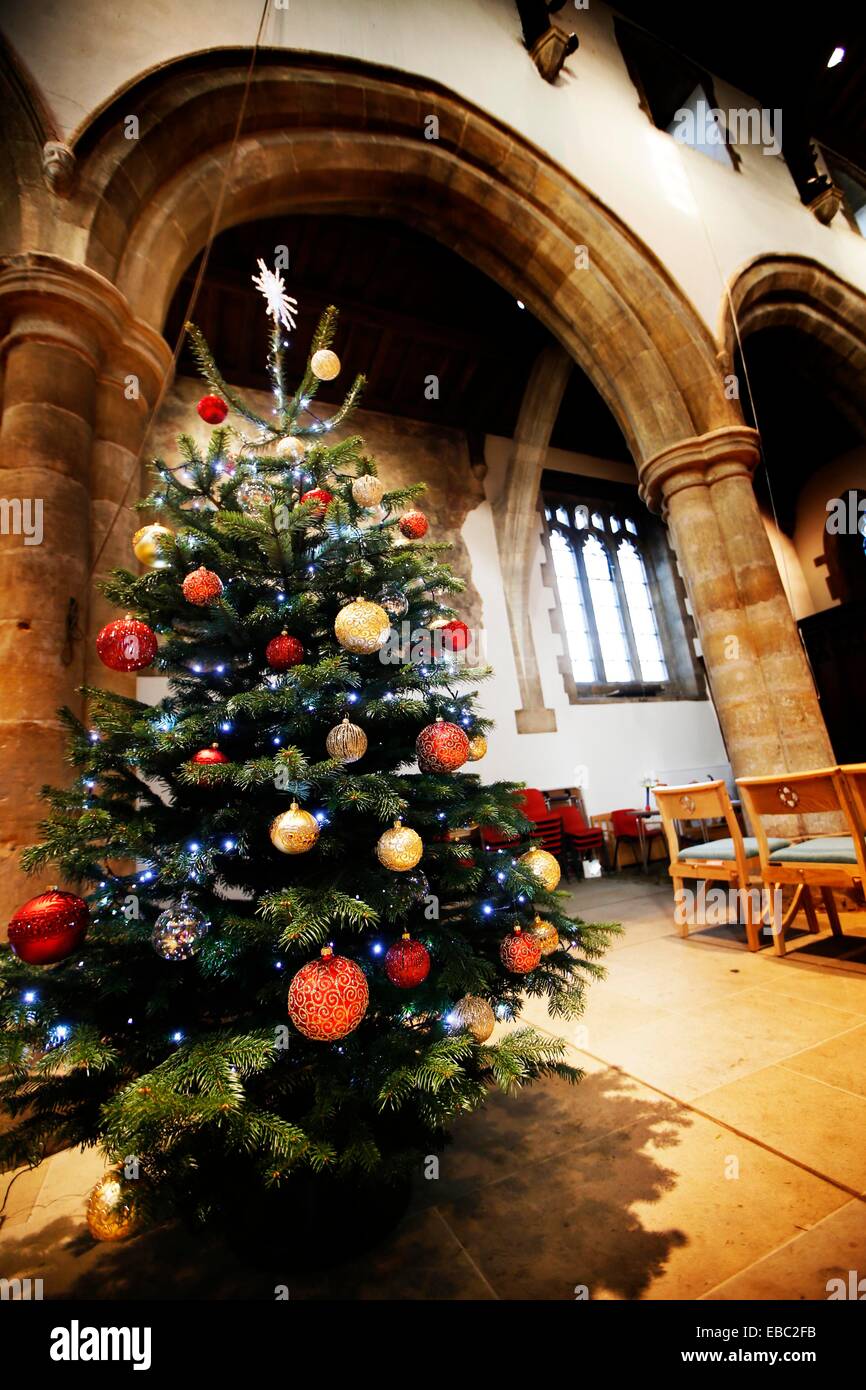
(282, 307)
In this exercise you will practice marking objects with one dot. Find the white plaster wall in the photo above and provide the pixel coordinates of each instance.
(791, 569)
(835, 479)
(702, 220)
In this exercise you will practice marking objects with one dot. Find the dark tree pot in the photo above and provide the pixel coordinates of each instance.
(314, 1221)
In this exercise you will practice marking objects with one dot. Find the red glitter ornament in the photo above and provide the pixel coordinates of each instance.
(414, 525)
(284, 651)
(443, 747)
(320, 495)
(202, 586)
(48, 928)
(212, 409)
(520, 952)
(209, 756)
(407, 962)
(126, 645)
(328, 997)
(455, 635)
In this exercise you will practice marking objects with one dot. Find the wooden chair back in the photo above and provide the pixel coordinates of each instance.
(793, 794)
(699, 801)
(854, 778)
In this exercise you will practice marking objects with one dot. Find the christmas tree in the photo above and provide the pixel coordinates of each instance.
(263, 831)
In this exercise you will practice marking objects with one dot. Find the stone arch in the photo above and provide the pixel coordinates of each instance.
(796, 292)
(324, 134)
(26, 132)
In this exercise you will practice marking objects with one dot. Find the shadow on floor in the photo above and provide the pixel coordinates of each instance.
(534, 1198)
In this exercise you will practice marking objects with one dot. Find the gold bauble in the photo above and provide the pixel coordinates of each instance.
(146, 543)
(294, 831)
(362, 626)
(543, 866)
(291, 449)
(477, 747)
(112, 1208)
(399, 848)
(546, 935)
(325, 364)
(473, 1014)
(368, 490)
(346, 743)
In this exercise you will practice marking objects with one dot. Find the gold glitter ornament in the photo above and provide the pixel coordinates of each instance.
(112, 1208)
(146, 545)
(543, 866)
(291, 449)
(477, 747)
(362, 627)
(325, 364)
(346, 743)
(294, 831)
(399, 848)
(546, 935)
(475, 1015)
(368, 490)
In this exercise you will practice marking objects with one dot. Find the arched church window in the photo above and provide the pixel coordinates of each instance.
(620, 612)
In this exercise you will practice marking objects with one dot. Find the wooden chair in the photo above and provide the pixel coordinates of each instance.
(731, 859)
(854, 778)
(826, 861)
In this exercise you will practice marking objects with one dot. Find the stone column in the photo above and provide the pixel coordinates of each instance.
(515, 516)
(762, 687)
(60, 325)
(125, 398)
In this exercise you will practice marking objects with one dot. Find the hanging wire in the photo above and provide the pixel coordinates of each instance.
(196, 289)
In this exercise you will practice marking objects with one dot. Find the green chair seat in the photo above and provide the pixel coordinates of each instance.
(824, 849)
(724, 849)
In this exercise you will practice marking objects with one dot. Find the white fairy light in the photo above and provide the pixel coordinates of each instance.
(282, 307)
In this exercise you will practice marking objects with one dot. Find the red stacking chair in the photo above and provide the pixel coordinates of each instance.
(627, 829)
(580, 838)
(532, 803)
(547, 832)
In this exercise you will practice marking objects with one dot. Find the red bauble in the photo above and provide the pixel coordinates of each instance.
(126, 645)
(211, 755)
(320, 495)
(328, 997)
(284, 651)
(212, 409)
(48, 928)
(520, 952)
(407, 962)
(413, 525)
(202, 586)
(443, 747)
(455, 635)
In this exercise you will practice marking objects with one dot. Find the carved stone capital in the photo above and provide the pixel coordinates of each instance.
(47, 299)
(58, 168)
(550, 51)
(733, 450)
